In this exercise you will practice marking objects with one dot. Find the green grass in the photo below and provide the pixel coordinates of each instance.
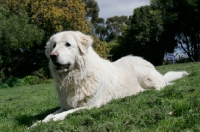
(20, 107)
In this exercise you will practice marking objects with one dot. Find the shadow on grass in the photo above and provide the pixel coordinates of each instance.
(28, 120)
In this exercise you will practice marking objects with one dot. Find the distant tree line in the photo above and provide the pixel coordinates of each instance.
(154, 30)
(150, 32)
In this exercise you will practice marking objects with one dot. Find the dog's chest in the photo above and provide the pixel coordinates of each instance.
(74, 92)
(72, 97)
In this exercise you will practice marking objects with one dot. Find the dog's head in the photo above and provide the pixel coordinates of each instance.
(63, 48)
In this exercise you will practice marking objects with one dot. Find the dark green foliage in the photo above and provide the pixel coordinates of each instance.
(17, 37)
(159, 28)
(100, 29)
(112, 28)
(92, 10)
(28, 80)
(181, 25)
(15, 30)
(11, 82)
(143, 37)
(26, 27)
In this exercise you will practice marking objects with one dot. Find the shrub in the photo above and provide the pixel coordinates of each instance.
(11, 82)
(28, 80)
(31, 80)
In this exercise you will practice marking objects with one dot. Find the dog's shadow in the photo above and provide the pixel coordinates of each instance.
(28, 120)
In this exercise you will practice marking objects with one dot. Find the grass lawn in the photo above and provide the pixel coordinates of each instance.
(149, 111)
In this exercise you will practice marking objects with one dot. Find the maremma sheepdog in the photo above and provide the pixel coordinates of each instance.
(84, 80)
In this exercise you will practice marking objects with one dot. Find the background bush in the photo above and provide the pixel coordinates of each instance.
(11, 82)
(28, 80)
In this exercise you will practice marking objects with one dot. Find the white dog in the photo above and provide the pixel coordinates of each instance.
(84, 80)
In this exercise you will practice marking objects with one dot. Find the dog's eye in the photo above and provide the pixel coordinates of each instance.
(54, 45)
(67, 44)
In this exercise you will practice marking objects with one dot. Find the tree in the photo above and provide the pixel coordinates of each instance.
(100, 29)
(17, 36)
(101, 47)
(15, 32)
(143, 36)
(92, 10)
(51, 17)
(188, 34)
(114, 26)
(54, 15)
(181, 25)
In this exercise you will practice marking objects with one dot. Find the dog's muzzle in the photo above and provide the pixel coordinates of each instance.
(54, 59)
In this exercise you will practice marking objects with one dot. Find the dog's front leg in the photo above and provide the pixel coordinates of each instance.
(51, 116)
(59, 115)
(62, 115)
(47, 118)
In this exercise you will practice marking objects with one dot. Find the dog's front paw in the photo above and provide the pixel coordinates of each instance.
(185, 73)
(35, 124)
(48, 118)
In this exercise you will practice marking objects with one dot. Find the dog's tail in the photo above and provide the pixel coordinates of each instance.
(174, 75)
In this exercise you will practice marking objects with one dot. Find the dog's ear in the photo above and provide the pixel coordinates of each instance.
(47, 49)
(84, 42)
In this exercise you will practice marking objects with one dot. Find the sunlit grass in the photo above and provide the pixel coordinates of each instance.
(175, 108)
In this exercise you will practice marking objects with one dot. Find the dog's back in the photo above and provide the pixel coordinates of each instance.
(146, 74)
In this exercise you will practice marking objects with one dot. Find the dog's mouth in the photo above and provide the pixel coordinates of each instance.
(62, 67)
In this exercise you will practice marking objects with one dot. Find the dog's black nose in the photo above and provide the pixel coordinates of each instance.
(54, 56)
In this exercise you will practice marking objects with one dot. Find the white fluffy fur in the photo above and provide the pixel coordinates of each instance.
(92, 81)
